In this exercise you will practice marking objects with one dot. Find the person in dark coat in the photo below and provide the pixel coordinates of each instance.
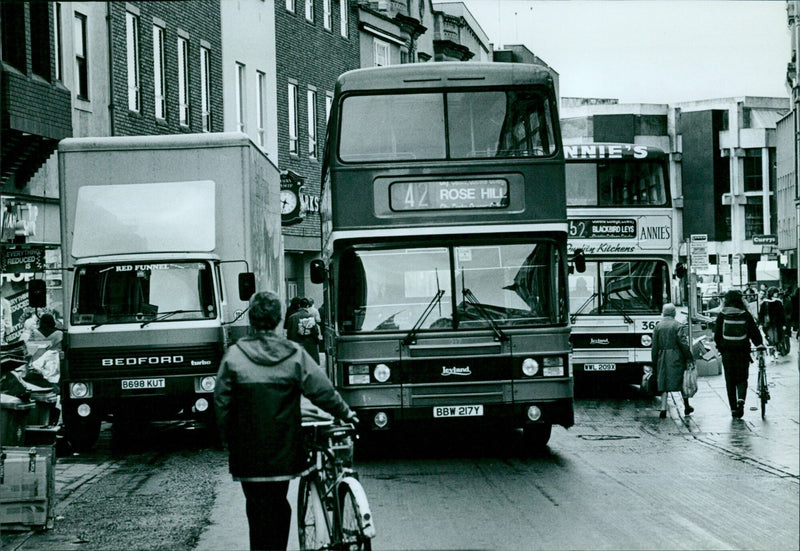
(734, 330)
(671, 356)
(257, 398)
(772, 317)
(302, 328)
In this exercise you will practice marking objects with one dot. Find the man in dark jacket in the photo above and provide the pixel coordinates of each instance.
(772, 318)
(302, 328)
(257, 399)
(735, 328)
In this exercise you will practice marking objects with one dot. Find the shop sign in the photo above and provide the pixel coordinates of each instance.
(765, 240)
(23, 260)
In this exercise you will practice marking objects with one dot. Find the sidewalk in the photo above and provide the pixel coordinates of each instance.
(773, 442)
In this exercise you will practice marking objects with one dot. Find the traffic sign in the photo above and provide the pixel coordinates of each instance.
(699, 251)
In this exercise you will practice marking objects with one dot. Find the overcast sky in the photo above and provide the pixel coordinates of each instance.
(658, 51)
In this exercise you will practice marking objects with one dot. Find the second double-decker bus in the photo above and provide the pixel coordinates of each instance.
(620, 215)
(444, 247)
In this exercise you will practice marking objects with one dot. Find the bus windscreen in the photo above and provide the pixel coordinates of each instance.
(452, 125)
(616, 183)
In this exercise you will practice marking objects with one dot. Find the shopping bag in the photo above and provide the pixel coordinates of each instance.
(690, 381)
(649, 383)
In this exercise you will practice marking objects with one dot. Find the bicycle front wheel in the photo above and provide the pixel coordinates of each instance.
(357, 528)
(763, 391)
(313, 527)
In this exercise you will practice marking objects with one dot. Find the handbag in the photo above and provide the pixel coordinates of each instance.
(649, 383)
(690, 381)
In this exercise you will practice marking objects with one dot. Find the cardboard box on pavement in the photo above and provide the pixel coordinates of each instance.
(27, 487)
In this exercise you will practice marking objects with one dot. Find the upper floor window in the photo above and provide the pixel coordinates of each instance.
(81, 61)
(328, 104)
(205, 88)
(290, 5)
(159, 75)
(343, 17)
(326, 14)
(12, 34)
(381, 53)
(40, 17)
(753, 216)
(59, 53)
(132, 55)
(261, 117)
(292, 103)
(183, 81)
(310, 10)
(312, 124)
(240, 98)
(752, 170)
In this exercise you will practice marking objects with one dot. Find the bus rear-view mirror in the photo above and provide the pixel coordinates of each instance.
(317, 271)
(37, 293)
(247, 285)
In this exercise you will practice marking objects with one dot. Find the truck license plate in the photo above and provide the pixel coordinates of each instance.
(137, 384)
(600, 367)
(458, 411)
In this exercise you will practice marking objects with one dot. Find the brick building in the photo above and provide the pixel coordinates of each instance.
(34, 114)
(315, 42)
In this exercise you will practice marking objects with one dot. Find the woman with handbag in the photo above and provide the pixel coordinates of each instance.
(671, 357)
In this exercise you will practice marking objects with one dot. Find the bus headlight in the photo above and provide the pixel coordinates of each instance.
(647, 340)
(530, 367)
(208, 383)
(382, 373)
(534, 413)
(84, 410)
(80, 390)
(201, 405)
(381, 419)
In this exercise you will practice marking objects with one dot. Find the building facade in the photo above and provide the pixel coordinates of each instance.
(788, 158)
(35, 114)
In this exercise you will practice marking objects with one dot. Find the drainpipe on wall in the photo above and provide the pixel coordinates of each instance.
(110, 70)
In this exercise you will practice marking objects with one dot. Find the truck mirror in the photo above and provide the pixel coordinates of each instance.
(37, 293)
(317, 271)
(579, 260)
(247, 285)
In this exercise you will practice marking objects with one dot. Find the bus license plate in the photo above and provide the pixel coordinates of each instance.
(138, 384)
(600, 367)
(458, 411)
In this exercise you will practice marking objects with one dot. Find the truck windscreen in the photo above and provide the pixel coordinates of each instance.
(127, 293)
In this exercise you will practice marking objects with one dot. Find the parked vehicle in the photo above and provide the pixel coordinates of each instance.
(156, 232)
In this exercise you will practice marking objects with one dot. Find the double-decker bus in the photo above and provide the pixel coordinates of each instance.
(444, 238)
(620, 215)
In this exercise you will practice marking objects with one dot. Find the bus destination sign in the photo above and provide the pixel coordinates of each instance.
(449, 194)
(619, 228)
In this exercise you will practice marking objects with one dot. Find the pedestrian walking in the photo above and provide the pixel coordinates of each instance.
(302, 328)
(257, 398)
(734, 331)
(772, 319)
(671, 356)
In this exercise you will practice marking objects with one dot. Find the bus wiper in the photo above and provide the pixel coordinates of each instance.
(472, 299)
(165, 315)
(428, 309)
(619, 309)
(574, 315)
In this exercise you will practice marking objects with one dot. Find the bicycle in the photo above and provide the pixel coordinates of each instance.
(332, 507)
(762, 387)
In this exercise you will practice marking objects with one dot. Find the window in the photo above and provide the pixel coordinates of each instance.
(132, 54)
(381, 53)
(312, 123)
(40, 39)
(326, 14)
(81, 62)
(613, 287)
(751, 169)
(513, 284)
(240, 98)
(59, 53)
(343, 21)
(205, 88)
(310, 10)
(159, 76)
(290, 5)
(261, 117)
(183, 81)
(478, 125)
(616, 183)
(753, 216)
(293, 141)
(12, 34)
(328, 105)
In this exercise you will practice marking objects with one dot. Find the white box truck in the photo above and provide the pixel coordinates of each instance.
(157, 234)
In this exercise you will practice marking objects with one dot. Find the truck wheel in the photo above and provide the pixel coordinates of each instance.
(536, 436)
(82, 433)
